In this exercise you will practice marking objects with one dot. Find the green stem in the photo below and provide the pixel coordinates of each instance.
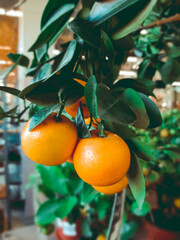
(102, 133)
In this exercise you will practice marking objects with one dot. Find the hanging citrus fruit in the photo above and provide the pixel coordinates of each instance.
(177, 203)
(115, 188)
(101, 237)
(52, 142)
(101, 161)
(72, 109)
(164, 133)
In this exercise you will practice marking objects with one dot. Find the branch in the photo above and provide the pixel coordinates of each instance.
(175, 18)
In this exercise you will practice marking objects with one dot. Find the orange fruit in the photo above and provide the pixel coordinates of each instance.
(177, 203)
(164, 133)
(94, 123)
(52, 142)
(101, 161)
(70, 160)
(72, 109)
(101, 237)
(115, 188)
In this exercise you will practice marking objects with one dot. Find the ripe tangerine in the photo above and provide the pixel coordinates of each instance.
(115, 188)
(50, 143)
(101, 161)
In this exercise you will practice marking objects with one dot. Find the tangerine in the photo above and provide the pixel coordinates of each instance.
(72, 109)
(50, 143)
(164, 133)
(101, 161)
(115, 188)
(101, 237)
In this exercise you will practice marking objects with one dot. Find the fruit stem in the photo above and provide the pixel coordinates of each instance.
(102, 133)
(58, 116)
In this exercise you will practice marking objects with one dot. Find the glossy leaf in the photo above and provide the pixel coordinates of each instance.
(135, 102)
(170, 71)
(88, 194)
(108, 44)
(113, 109)
(90, 96)
(55, 24)
(142, 10)
(66, 206)
(41, 115)
(136, 180)
(140, 149)
(44, 72)
(152, 111)
(140, 211)
(128, 229)
(81, 126)
(102, 12)
(86, 31)
(22, 59)
(10, 90)
(141, 85)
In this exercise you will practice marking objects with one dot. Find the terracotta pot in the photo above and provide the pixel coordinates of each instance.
(67, 231)
(156, 233)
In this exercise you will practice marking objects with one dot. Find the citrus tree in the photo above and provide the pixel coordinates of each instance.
(82, 82)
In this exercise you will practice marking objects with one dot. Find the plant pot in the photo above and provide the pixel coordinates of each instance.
(157, 233)
(67, 231)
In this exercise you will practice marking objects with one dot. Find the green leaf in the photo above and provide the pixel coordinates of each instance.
(44, 72)
(6, 71)
(141, 149)
(41, 115)
(22, 59)
(128, 229)
(136, 180)
(86, 31)
(113, 109)
(54, 25)
(46, 212)
(108, 44)
(141, 85)
(2, 113)
(90, 96)
(28, 89)
(54, 179)
(132, 22)
(170, 71)
(46, 191)
(135, 102)
(175, 156)
(10, 90)
(140, 211)
(102, 12)
(13, 110)
(88, 194)
(146, 69)
(41, 52)
(102, 207)
(152, 177)
(152, 111)
(66, 206)
(81, 126)
(86, 230)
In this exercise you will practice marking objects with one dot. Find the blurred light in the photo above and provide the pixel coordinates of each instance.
(3, 62)
(56, 52)
(5, 48)
(71, 19)
(164, 104)
(144, 32)
(11, 13)
(12, 74)
(132, 59)
(176, 84)
(83, 57)
(107, 58)
(128, 73)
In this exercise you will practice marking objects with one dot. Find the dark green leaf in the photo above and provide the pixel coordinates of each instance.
(170, 71)
(41, 52)
(44, 72)
(141, 149)
(86, 31)
(132, 21)
(128, 229)
(136, 180)
(152, 111)
(2, 113)
(41, 115)
(90, 96)
(66, 206)
(13, 110)
(113, 109)
(175, 156)
(101, 207)
(140, 211)
(152, 177)
(28, 89)
(46, 191)
(86, 230)
(10, 90)
(135, 102)
(54, 25)
(81, 126)
(108, 44)
(46, 212)
(22, 59)
(141, 85)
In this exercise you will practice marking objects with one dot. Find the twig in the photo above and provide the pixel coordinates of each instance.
(175, 18)
(115, 228)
